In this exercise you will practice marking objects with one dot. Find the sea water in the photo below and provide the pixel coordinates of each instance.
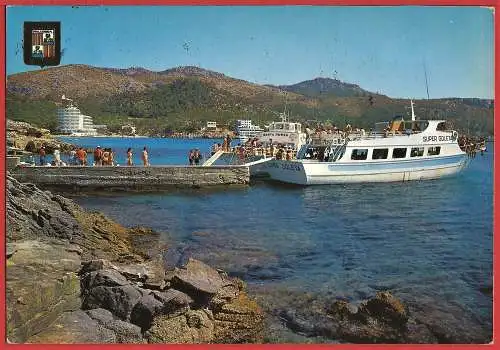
(425, 241)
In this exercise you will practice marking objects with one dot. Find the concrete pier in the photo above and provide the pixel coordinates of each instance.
(135, 178)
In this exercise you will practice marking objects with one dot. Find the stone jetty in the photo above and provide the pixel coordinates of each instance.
(78, 178)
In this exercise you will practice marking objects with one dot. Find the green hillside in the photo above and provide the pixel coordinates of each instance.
(184, 98)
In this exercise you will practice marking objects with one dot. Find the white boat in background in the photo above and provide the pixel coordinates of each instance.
(405, 150)
(245, 130)
(285, 133)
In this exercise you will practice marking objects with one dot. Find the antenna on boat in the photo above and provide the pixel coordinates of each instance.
(412, 110)
(426, 87)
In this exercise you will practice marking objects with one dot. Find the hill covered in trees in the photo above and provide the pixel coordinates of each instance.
(184, 98)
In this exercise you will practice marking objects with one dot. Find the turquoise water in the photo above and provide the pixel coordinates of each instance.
(428, 241)
(161, 150)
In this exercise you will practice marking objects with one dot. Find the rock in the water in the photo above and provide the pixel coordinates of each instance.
(387, 308)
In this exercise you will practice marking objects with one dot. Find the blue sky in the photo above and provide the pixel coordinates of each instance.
(382, 49)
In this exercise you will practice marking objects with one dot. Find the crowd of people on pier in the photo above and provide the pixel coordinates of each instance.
(194, 156)
(471, 145)
(80, 157)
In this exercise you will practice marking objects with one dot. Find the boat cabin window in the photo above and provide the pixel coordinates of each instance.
(441, 126)
(380, 153)
(417, 152)
(434, 151)
(359, 154)
(399, 153)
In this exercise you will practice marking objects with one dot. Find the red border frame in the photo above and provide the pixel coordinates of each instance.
(488, 3)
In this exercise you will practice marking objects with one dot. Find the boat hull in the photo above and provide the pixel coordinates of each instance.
(321, 173)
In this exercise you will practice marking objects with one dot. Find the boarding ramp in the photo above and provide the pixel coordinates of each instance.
(256, 167)
(213, 158)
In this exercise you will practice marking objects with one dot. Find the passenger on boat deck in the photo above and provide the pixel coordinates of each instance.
(279, 154)
(288, 154)
(214, 148)
(241, 153)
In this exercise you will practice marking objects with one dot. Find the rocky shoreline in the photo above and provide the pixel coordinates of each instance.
(28, 138)
(77, 277)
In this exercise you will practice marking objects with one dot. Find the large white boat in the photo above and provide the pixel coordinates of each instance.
(405, 150)
(285, 133)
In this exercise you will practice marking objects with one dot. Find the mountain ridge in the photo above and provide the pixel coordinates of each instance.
(185, 96)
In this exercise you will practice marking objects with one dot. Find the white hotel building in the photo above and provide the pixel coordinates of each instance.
(72, 121)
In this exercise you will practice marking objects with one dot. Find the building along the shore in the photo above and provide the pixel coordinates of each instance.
(72, 121)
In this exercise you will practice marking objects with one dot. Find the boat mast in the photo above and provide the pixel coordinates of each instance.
(412, 110)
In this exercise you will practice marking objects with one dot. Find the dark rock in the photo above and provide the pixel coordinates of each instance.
(125, 332)
(145, 310)
(119, 300)
(107, 278)
(297, 324)
(174, 302)
(452, 325)
(160, 286)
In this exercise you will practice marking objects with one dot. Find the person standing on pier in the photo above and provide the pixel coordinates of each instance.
(42, 155)
(129, 157)
(57, 156)
(106, 154)
(197, 156)
(145, 157)
(98, 156)
(191, 157)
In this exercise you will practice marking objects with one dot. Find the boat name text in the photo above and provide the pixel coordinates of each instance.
(437, 138)
(285, 166)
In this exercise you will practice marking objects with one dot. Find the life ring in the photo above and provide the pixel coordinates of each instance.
(454, 136)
